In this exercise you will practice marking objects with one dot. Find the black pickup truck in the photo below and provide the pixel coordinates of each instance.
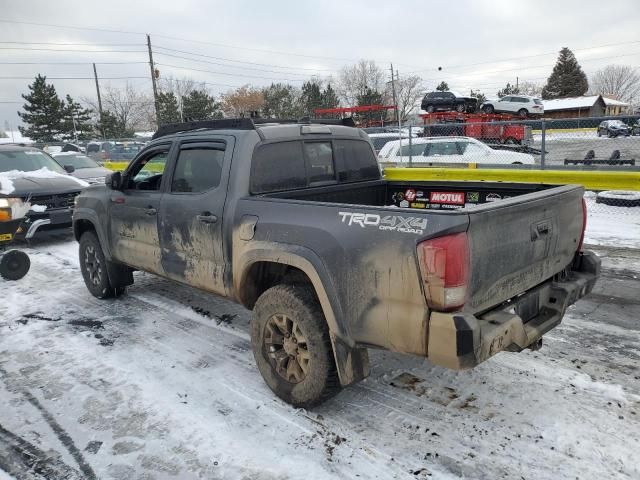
(294, 221)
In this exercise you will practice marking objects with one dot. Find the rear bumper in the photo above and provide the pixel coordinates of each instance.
(461, 340)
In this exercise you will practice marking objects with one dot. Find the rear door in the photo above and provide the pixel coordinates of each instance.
(517, 243)
(191, 213)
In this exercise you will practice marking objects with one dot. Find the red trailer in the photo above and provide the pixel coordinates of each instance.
(490, 128)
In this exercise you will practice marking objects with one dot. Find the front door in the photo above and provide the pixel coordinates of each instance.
(134, 211)
(191, 214)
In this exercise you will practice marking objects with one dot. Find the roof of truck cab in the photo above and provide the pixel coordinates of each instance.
(273, 131)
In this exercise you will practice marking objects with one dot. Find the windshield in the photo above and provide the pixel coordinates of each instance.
(27, 161)
(616, 123)
(77, 161)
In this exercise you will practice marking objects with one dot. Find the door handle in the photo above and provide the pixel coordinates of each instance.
(206, 217)
(150, 211)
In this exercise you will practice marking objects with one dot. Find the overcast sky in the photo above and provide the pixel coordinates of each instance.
(479, 44)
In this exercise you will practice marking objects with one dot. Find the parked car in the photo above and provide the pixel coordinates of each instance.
(613, 128)
(100, 151)
(449, 150)
(522, 105)
(82, 167)
(29, 175)
(444, 101)
(124, 152)
(635, 128)
(379, 140)
(295, 222)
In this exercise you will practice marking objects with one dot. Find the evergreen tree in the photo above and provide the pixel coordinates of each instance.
(281, 101)
(479, 95)
(330, 98)
(76, 122)
(443, 87)
(370, 97)
(168, 111)
(199, 105)
(111, 127)
(43, 112)
(310, 98)
(508, 90)
(567, 78)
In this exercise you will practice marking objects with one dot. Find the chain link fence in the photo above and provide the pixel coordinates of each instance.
(593, 144)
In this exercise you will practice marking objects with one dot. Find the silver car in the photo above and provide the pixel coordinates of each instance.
(81, 166)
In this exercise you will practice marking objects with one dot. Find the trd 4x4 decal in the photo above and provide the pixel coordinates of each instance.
(394, 223)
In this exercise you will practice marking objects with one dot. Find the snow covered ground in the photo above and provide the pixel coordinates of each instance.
(612, 226)
(161, 384)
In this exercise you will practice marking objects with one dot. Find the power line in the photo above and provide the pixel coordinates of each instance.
(229, 66)
(71, 63)
(78, 44)
(69, 50)
(232, 74)
(74, 78)
(235, 61)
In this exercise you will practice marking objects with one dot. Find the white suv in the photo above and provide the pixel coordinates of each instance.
(523, 105)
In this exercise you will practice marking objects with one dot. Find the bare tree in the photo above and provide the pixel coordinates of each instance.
(353, 80)
(530, 88)
(181, 87)
(409, 91)
(242, 101)
(133, 109)
(619, 81)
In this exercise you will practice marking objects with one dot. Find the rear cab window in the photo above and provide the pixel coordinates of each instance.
(298, 164)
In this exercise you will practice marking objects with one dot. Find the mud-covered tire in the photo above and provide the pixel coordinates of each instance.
(14, 265)
(299, 304)
(93, 266)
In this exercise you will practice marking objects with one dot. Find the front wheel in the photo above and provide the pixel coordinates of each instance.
(430, 109)
(523, 112)
(93, 265)
(291, 346)
(460, 108)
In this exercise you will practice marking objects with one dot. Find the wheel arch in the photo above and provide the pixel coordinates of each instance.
(262, 268)
(88, 221)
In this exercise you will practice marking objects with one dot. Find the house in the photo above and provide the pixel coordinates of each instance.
(616, 107)
(575, 107)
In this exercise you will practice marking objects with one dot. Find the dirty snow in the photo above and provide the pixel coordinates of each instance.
(162, 384)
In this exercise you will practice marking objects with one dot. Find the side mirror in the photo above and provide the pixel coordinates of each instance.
(69, 168)
(114, 180)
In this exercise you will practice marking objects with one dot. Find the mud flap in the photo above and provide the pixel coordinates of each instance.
(352, 363)
(119, 275)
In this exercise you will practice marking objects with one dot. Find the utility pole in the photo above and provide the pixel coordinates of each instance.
(395, 102)
(153, 78)
(95, 75)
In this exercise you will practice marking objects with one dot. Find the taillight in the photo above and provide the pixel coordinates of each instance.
(584, 224)
(444, 264)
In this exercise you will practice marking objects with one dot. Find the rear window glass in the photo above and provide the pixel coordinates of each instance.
(537, 101)
(278, 166)
(414, 149)
(319, 158)
(356, 161)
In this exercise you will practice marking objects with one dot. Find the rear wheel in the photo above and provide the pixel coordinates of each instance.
(488, 109)
(93, 265)
(291, 346)
(14, 265)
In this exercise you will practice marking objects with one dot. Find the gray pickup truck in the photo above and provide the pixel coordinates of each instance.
(294, 221)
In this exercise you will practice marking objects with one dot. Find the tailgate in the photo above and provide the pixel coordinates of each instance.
(517, 243)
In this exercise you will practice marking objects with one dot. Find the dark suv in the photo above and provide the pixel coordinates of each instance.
(613, 128)
(445, 101)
